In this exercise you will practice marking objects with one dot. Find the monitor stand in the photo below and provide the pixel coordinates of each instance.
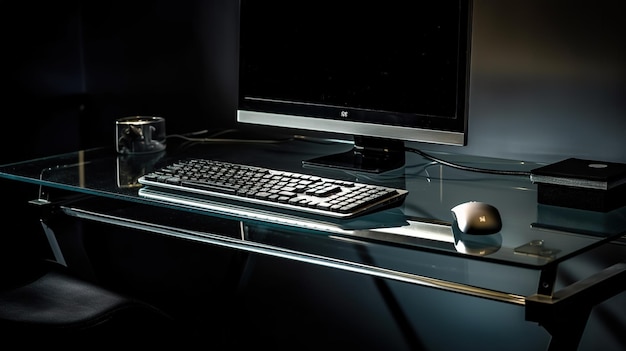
(371, 155)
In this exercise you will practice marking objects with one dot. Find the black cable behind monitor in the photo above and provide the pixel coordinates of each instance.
(468, 168)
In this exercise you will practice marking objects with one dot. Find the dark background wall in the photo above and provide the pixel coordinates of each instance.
(548, 77)
(548, 80)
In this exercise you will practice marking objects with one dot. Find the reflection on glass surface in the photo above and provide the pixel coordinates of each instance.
(479, 245)
(577, 221)
(131, 167)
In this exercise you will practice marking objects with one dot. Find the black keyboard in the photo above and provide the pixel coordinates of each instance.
(268, 188)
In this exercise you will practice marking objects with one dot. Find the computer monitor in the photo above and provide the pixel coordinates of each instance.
(384, 72)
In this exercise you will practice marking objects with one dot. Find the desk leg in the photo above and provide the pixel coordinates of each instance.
(60, 237)
(564, 314)
(567, 329)
(54, 244)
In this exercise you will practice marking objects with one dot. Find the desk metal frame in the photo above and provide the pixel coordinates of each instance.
(563, 313)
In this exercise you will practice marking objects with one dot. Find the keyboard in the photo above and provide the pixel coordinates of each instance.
(187, 180)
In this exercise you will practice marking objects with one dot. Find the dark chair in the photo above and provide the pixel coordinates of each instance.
(53, 307)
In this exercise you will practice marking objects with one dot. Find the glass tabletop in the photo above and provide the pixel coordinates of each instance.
(533, 235)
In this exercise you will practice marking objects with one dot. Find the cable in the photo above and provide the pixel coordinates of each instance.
(467, 168)
(226, 140)
(212, 139)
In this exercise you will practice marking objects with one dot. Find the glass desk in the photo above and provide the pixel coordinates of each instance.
(398, 244)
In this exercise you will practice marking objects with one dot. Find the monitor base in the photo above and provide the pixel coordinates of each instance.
(370, 155)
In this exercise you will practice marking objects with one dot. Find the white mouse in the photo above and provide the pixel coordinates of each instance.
(477, 218)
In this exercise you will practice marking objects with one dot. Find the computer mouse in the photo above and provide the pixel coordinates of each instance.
(477, 218)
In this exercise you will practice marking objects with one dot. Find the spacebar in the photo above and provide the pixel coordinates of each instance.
(209, 186)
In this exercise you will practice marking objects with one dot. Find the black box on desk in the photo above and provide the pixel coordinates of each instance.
(583, 184)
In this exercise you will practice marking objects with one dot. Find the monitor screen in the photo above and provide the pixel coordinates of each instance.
(382, 72)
